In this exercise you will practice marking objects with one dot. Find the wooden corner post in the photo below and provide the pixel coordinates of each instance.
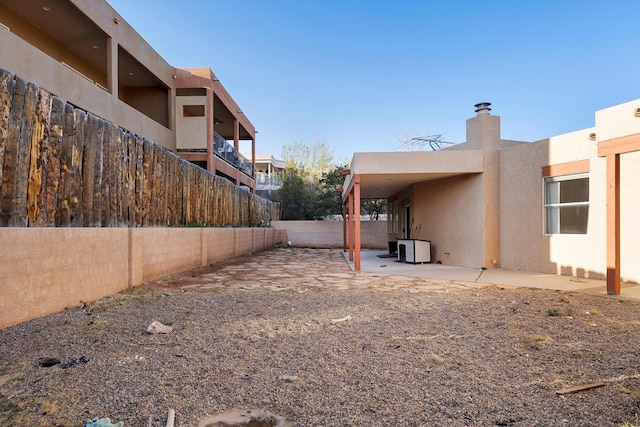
(613, 224)
(356, 217)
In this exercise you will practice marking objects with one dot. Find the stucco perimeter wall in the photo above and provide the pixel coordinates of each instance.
(45, 270)
(329, 234)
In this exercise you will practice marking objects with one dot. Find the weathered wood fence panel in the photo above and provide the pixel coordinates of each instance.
(63, 167)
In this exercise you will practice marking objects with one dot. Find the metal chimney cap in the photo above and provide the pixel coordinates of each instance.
(483, 107)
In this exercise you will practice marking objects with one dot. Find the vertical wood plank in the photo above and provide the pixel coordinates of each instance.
(123, 177)
(179, 193)
(147, 169)
(63, 214)
(171, 190)
(77, 152)
(98, 174)
(156, 168)
(164, 180)
(88, 171)
(139, 177)
(116, 161)
(27, 132)
(106, 182)
(51, 165)
(7, 86)
(11, 152)
(36, 169)
(131, 179)
(114, 170)
(13, 193)
(186, 193)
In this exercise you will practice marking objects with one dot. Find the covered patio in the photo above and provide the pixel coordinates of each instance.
(381, 175)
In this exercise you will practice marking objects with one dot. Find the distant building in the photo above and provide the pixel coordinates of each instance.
(210, 126)
(269, 172)
(84, 52)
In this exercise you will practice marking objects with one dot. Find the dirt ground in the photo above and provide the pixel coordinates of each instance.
(296, 333)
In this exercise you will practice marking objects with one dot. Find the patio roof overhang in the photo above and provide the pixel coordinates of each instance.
(381, 175)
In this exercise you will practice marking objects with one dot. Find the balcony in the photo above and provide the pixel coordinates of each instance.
(226, 151)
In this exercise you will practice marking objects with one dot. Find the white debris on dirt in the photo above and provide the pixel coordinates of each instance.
(340, 320)
(158, 328)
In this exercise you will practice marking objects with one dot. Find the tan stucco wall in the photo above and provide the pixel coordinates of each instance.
(329, 234)
(523, 243)
(617, 121)
(30, 63)
(449, 213)
(45, 270)
(191, 132)
(629, 214)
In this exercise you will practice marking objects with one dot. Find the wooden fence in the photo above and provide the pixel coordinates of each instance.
(64, 167)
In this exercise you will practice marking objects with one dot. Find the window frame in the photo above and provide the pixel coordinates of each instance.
(545, 205)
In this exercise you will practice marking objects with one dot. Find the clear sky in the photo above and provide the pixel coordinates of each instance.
(361, 75)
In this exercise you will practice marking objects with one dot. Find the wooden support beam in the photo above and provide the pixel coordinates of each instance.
(351, 227)
(625, 144)
(356, 217)
(344, 228)
(613, 224)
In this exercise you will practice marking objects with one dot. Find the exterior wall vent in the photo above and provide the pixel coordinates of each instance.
(483, 108)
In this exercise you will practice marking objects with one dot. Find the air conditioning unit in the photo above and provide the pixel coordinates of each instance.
(414, 251)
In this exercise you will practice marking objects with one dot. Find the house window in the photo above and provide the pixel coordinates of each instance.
(193, 111)
(566, 204)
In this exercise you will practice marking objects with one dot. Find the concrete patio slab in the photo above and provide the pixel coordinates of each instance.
(370, 262)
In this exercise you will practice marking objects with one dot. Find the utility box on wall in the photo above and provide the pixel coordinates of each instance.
(414, 251)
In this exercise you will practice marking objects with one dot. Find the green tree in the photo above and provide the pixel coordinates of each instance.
(296, 195)
(374, 208)
(302, 195)
(329, 200)
(314, 160)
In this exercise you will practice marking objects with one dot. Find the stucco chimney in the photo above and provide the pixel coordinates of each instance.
(483, 108)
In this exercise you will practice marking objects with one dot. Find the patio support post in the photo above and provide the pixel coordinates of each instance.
(356, 218)
(344, 228)
(613, 224)
(612, 149)
(351, 227)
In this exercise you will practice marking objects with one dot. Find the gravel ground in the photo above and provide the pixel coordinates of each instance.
(477, 356)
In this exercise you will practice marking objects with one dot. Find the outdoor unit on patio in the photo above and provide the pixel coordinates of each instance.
(414, 251)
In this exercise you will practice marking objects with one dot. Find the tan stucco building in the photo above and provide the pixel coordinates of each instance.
(565, 205)
(84, 52)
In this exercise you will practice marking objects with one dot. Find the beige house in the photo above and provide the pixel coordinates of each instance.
(565, 205)
(84, 52)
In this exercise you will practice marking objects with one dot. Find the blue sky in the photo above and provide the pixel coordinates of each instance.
(361, 75)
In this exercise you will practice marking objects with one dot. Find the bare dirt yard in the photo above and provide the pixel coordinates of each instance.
(296, 333)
